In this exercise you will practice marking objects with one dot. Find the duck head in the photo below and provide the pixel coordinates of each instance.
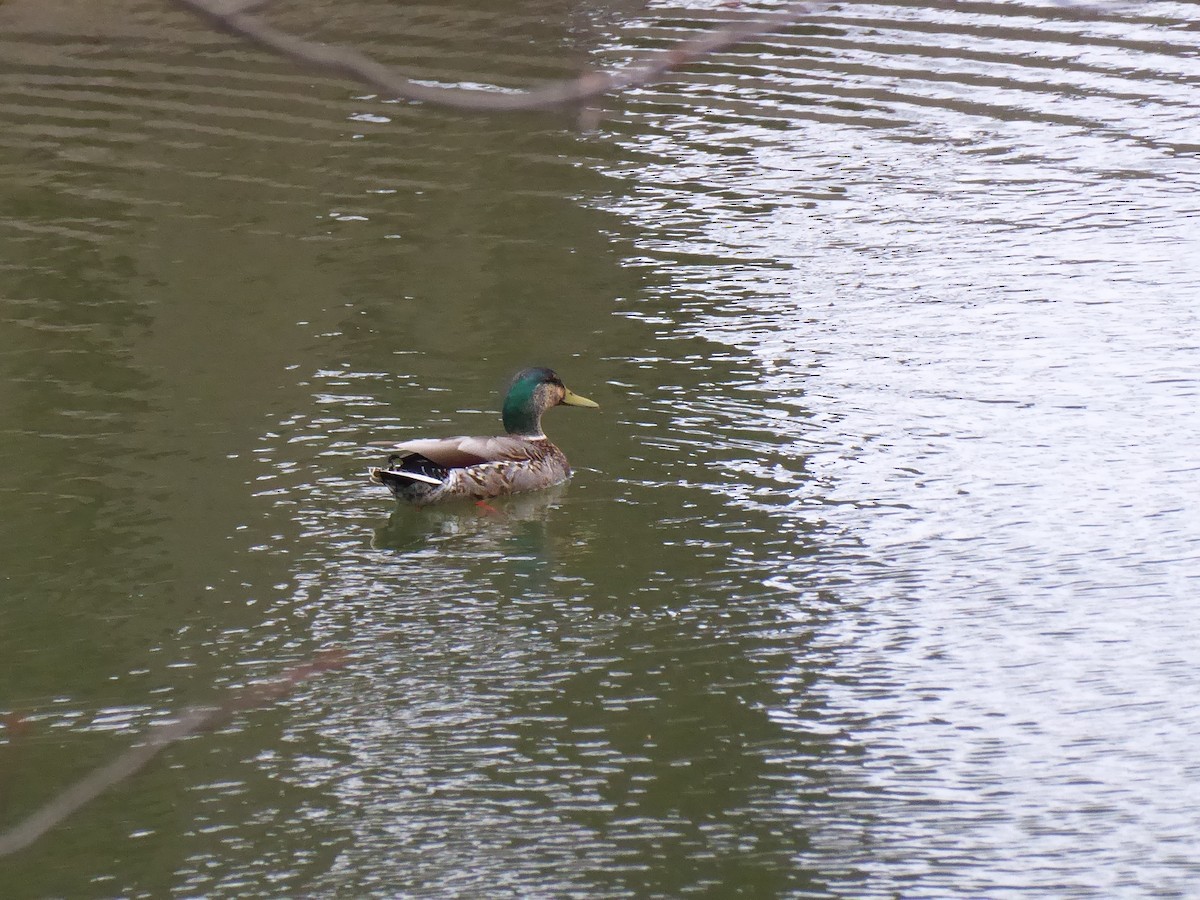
(532, 392)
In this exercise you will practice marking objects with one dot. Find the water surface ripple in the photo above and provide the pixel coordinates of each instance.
(968, 293)
(877, 574)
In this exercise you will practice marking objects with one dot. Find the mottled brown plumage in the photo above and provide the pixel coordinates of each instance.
(438, 469)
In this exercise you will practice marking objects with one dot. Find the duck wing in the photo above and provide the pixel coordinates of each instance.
(461, 452)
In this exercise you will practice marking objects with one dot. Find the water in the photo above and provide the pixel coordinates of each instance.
(877, 574)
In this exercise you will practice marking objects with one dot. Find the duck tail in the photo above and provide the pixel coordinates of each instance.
(398, 477)
(404, 473)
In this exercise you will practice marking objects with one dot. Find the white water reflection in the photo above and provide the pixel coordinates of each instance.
(977, 335)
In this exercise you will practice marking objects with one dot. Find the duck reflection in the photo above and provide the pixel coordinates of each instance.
(498, 524)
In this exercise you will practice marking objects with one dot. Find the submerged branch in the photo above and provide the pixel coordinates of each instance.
(239, 20)
(194, 720)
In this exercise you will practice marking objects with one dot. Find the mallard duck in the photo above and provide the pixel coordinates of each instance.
(477, 468)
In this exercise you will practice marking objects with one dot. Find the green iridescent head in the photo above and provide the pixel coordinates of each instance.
(532, 392)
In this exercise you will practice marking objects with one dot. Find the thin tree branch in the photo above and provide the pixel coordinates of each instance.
(236, 17)
(194, 720)
(238, 21)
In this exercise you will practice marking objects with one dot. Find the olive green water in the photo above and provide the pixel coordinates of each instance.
(878, 574)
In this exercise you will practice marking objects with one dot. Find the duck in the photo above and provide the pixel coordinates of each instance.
(435, 470)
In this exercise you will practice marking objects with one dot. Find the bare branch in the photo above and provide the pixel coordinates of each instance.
(193, 721)
(343, 61)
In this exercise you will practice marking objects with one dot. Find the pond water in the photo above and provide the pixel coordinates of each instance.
(879, 570)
